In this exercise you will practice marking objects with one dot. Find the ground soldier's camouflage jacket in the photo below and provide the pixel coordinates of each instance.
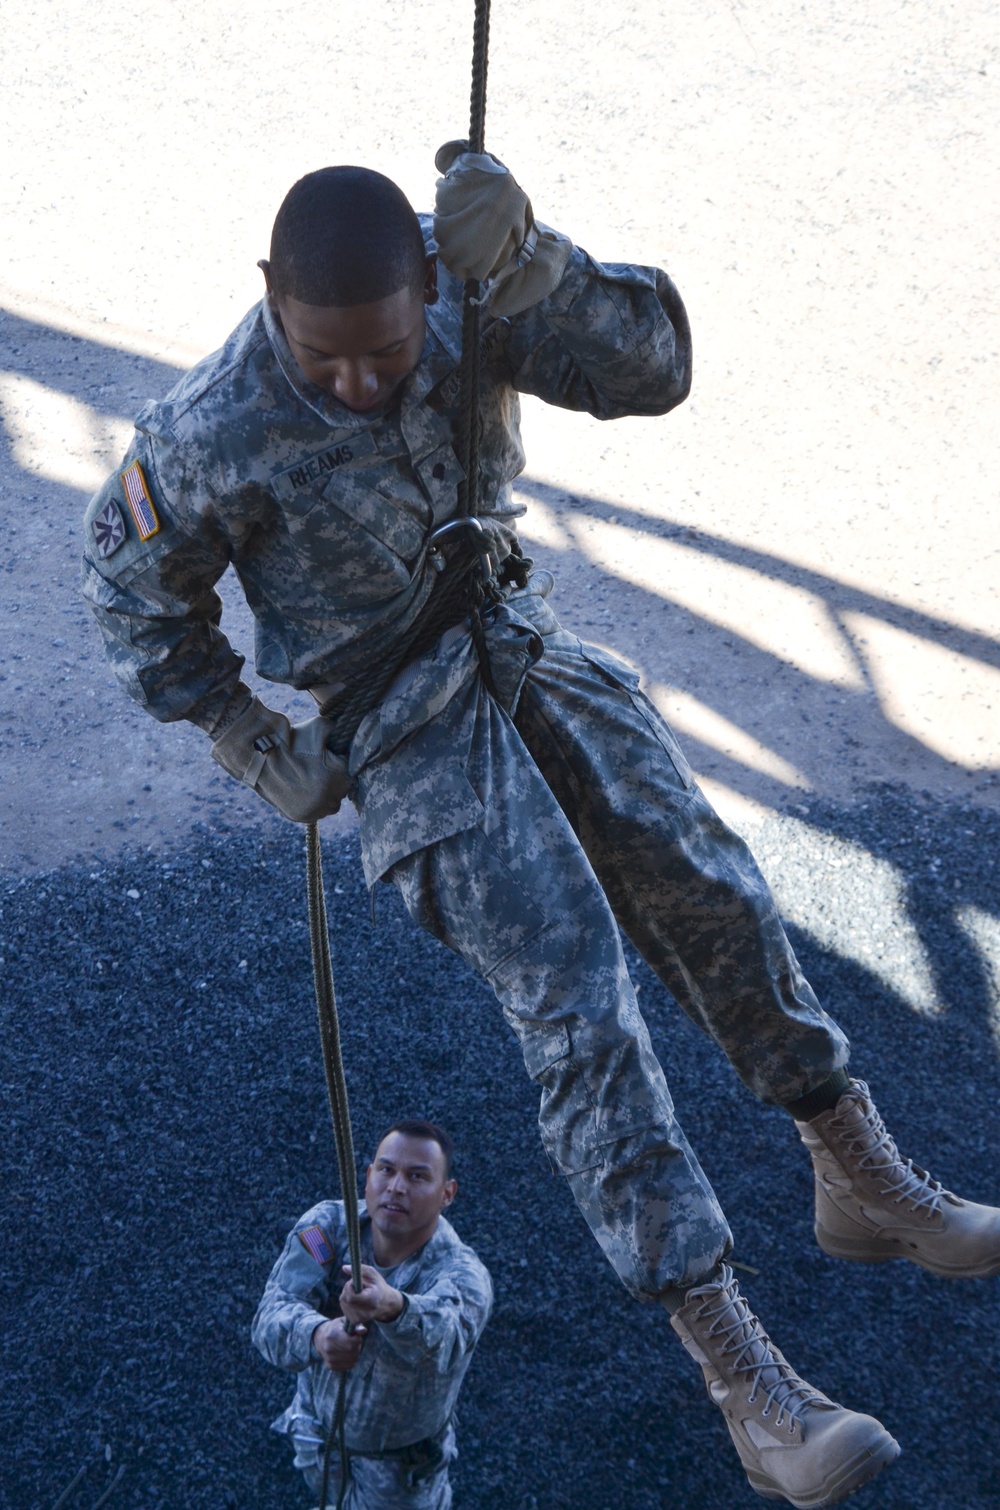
(325, 514)
(406, 1383)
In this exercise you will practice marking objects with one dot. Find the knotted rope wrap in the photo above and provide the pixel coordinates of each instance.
(350, 706)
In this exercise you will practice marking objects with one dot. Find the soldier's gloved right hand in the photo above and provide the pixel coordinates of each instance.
(289, 765)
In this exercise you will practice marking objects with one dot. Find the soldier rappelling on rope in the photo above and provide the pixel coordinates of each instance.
(513, 782)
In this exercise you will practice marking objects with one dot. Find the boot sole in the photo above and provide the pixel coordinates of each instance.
(863, 1250)
(849, 1477)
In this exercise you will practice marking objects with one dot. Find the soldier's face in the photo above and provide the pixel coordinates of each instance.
(361, 353)
(407, 1188)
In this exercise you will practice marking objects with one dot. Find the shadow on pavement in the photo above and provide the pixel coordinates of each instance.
(814, 726)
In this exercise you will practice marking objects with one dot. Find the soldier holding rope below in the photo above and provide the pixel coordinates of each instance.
(513, 782)
(425, 1302)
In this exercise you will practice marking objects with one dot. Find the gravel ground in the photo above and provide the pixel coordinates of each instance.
(164, 1123)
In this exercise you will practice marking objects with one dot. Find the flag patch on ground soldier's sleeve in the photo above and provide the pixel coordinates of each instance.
(139, 501)
(315, 1243)
(109, 529)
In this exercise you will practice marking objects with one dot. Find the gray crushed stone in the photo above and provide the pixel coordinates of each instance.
(163, 1122)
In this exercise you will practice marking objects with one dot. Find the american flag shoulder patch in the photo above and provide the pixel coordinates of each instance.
(314, 1241)
(139, 501)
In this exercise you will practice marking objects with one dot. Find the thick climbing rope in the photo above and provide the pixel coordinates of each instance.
(472, 311)
(468, 432)
(350, 710)
(329, 1033)
(343, 1137)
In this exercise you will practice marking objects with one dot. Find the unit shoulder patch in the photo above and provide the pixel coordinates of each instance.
(139, 501)
(108, 529)
(315, 1242)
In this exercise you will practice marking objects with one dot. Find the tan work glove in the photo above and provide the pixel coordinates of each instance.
(288, 764)
(485, 229)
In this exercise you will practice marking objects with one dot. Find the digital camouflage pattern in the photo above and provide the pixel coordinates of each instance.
(324, 514)
(517, 830)
(405, 1385)
(526, 830)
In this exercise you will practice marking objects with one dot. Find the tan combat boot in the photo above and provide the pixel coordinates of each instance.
(872, 1205)
(793, 1442)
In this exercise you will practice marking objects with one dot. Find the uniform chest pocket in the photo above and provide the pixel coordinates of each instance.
(387, 503)
(352, 543)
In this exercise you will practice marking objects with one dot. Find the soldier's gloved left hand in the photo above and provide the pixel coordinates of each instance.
(288, 764)
(485, 229)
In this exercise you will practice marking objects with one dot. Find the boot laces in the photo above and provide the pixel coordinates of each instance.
(731, 1318)
(869, 1141)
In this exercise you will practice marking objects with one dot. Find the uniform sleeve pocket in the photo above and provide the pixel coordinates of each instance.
(96, 589)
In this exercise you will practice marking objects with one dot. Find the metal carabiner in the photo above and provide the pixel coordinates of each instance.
(487, 567)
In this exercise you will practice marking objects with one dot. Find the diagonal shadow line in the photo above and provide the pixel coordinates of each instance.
(961, 976)
(40, 340)
(39, 352)
(155, 376)
(857, 715)
(945, 855)
(841, 596)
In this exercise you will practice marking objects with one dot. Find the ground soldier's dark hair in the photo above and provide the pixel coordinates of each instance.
(346, 236)
(410, 1127)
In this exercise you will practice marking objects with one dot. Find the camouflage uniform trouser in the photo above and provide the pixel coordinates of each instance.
(518, 841)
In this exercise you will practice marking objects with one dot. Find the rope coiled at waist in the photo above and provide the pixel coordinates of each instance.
(459, 592)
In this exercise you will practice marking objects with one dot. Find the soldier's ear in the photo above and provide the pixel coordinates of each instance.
(265, 268)
(431, 280)
(449, 1193)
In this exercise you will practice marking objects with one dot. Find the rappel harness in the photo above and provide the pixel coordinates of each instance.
(469, 581)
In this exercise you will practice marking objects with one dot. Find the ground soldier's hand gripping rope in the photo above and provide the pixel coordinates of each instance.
(319, 933)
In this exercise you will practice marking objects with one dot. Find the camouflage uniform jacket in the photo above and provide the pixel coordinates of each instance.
(324, 514)
(405, 1385)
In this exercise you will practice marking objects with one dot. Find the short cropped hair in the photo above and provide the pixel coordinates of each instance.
(412, 1127)
(346, 236)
